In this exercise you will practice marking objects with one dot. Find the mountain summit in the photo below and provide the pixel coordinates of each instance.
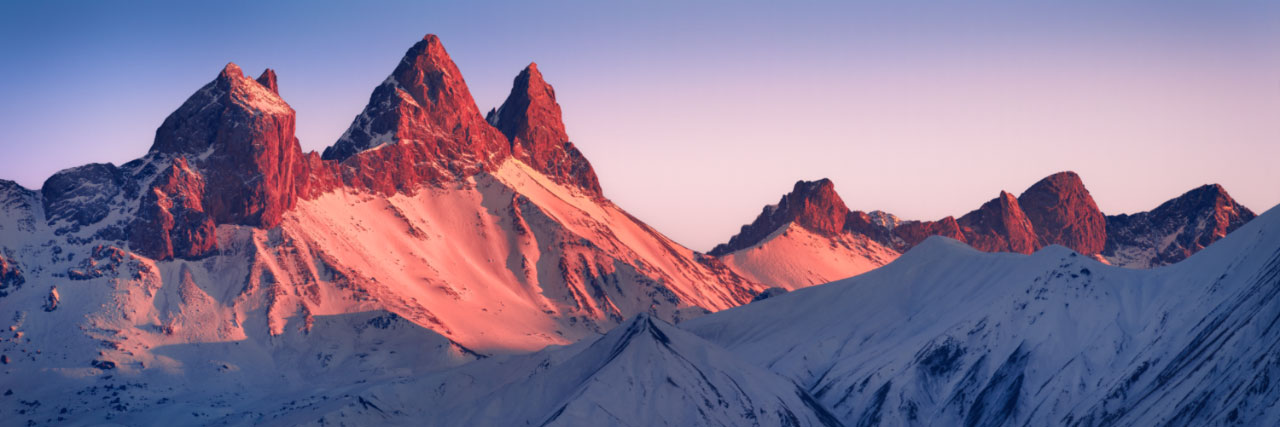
(813, 205)
(1064, 213)
(425, 110)
(530, 118)
(239, 135)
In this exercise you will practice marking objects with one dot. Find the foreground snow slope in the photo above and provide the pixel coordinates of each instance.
(949, 335)
(645, 372)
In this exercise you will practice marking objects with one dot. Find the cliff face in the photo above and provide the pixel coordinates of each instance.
(239, 136)
(1064, 213)
(999, 225)
(530, 119)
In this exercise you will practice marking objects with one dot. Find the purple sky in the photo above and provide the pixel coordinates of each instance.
(697, 115)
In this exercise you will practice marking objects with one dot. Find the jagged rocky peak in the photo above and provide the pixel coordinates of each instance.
(239, 134)
(816, 206)
(1064, 213)
(425, 102)
(813, 205)
(530, 119)
(1000, 225)
(1174, 230)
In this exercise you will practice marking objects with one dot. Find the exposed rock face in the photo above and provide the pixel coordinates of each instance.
(1174, 230)
(878, 226)
(171, 221)
(268, 80)
(51, 301)
(1064, 213)
(811, 204)
(911, 233)
(81, 196)
(424, 124)
(10, 276)
(1000, 225)
(20, 206)
(530, 118)
(239, 135)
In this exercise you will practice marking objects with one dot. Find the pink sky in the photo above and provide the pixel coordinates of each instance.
(697, 115)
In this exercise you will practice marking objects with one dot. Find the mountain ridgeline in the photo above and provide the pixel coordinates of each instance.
(227, 277)
(1056, 210)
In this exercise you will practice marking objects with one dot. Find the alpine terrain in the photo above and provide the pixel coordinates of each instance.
(437, 266)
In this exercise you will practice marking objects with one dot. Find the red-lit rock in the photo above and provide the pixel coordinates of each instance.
(530, 119)
(421, 126)
(999, 225)
(239, 135)
(810, 204)
(1063, 213)
(171, 221)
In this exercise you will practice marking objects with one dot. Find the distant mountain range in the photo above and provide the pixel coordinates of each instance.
(810, 236)
(431, 249)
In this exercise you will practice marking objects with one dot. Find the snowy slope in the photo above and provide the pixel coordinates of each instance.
(949, 335)
(645, 372)
(794, 257)
(509, 261)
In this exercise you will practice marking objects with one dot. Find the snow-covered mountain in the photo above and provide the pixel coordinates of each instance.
(947, 335)
(645, 372)
(405, 275)
(226, 247)
(803, 240)
(811, 237)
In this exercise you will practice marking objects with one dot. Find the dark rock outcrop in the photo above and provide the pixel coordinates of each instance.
(1174, 230)
(81, 196)
(1063, 213)
(10, 276)
(530, 119)
(51, 301)
(813, 205)
(171, 221)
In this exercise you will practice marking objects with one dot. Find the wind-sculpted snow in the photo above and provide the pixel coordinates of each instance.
(946, 335)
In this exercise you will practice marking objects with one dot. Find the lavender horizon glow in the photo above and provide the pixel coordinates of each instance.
(695, 116)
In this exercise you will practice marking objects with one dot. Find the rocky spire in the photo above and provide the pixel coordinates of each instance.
(425, 103)
(1063, 213)
(530, 119)
(268, 80)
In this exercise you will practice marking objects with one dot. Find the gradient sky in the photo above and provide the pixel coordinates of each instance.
(697, 115)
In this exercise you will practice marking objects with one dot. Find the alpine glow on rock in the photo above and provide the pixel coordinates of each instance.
(437, 266)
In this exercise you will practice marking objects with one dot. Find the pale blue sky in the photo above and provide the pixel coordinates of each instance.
(696, 115)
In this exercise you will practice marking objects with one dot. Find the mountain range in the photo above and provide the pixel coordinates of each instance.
(810, 237)
(435, 251)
